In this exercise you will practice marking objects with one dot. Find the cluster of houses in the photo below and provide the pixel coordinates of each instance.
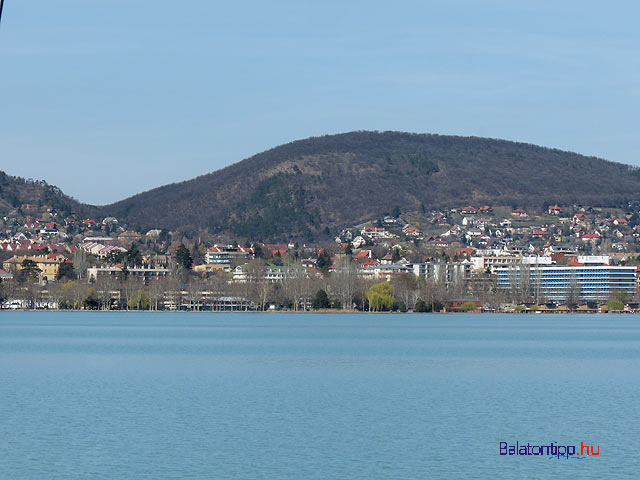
(578, 228)
(49, 241)
(559, 249)
(548, 255)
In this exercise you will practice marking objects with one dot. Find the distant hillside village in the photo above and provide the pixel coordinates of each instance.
(469, 258)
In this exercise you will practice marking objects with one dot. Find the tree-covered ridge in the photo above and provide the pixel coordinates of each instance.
(309, 187)
(16, 192)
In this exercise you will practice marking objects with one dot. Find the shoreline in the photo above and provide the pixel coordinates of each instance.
(324, 311)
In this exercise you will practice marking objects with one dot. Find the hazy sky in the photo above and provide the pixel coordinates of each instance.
(106, 98)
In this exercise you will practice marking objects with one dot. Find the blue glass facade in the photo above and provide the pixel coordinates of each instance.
(557, 282)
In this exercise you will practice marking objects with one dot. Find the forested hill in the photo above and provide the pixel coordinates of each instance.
(18, 194)
(301, 188)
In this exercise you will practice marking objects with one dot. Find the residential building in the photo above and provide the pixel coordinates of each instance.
(5, 276)
(388, 271)
(411, 230)
(554, 210)
(490, 262)
(129, 237)
(448, 273)
(272, 273)
(375, 233)
(358, 242)
(468, 211)
(48, 264)
(100, 250)
(209, 268)
(226, 254)
(119, 273)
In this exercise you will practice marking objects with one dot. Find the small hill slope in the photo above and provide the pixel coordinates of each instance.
(16, 192)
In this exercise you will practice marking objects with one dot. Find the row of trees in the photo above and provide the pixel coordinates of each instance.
(344, 288)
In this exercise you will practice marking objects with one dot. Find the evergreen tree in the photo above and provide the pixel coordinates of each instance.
(324, 262)
(30, 272)
(66, 271)
(183, 257)
(133, 257)
(114, 257)
(321, 300)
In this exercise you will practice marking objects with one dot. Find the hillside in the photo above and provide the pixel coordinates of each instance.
(303, 188)
(31, 196)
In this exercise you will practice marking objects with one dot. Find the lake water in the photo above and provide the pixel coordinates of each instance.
(286, 396)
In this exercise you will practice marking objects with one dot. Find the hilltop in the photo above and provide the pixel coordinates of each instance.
(311, 188)
(307, 188)
(31, 196)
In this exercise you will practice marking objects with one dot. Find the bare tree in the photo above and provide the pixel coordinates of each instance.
(262, 291)
(520, 283)
(54, 291)
(574, 293)
(12, 290)
(483, 287)
(259, 288)
(80, 293)
(433, 292)
(32, 293)
(514, 283)
(194, 293)
(296, 286)
(129, 285)
(75, 293)
(80, 263)
(525, 290)
(407, 289)
(173, 293)
(218, 286)
(157, 288)
(105, 288)
(344, 283)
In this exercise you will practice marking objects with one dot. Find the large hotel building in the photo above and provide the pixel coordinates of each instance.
(587, 278)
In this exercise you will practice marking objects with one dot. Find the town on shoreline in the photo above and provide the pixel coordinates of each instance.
(468, 259)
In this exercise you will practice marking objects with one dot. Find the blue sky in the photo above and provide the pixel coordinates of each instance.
(106, 98)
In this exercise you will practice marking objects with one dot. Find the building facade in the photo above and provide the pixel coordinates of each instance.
(561, 283)
(144, 275)
(47, 264)
(448, 273)
(226, 254)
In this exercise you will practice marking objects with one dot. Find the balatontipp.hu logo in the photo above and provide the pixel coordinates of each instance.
(550, 450)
